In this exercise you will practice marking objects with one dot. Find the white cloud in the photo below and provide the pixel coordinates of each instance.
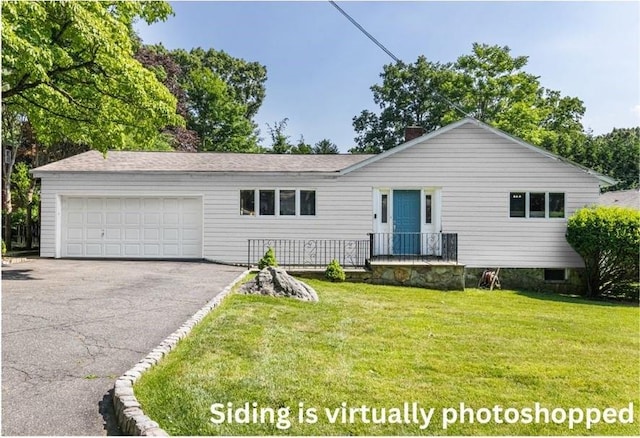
(636, 111)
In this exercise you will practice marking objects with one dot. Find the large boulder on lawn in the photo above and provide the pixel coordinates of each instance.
(276, 282)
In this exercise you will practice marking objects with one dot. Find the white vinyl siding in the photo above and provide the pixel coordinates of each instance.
(475, 170)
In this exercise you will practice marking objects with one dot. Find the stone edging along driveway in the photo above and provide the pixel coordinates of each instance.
(131, 419)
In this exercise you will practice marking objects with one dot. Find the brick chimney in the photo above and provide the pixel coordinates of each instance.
(411, 132)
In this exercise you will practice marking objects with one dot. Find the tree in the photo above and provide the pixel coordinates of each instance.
(168, 71)
(217, 118)
(617, 154)
(488, 84)
(68, 67)
(607, 239)
(245, 79)
(280, 143)
(325, 146)
(302, 147)
(209, 110)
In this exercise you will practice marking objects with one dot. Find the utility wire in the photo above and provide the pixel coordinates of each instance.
(394, 57)
(364, 31)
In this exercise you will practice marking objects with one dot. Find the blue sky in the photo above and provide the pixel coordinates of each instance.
(320, 67)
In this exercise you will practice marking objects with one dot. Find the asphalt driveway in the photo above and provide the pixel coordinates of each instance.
(71, 327)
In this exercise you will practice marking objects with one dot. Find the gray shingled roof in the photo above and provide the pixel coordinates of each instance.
(126, 161)
(621, 198)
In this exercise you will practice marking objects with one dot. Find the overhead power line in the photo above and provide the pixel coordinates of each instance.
(394, 57)
(364, 31)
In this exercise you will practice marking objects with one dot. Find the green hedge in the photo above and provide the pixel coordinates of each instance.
(608, 240)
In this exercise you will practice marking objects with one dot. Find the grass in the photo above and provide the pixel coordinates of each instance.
(382, 346)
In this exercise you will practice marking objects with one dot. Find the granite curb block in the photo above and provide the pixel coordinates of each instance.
(129, 415)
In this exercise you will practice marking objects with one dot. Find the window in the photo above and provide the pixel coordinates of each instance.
(267, 202)
(287, 202)
(428, 209)
(557, 275)
(307, 202)
(517, 205)
(247, 202)
(272, 202)
(536, 205)
(384, 208)
(556, 204)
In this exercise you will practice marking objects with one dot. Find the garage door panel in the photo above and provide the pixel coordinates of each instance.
(151, 204)
(152, 250)
(113, 234)
(113, 204)
(132, 250)
(93, 249)
(75, 218)
(74, 249)
(94, 233)
(170, 250)
(113, 250)
(190, 219)
(95, 204)
(170, 234)
(150, 234)
(190, 250)
(75, 233)
(132, 204)
(171, 203)
(132, 218)
(113, 218)
(132, 227)
(94, 218)
(170, 218)
(131, 234)
(191, 234)
(151, 219)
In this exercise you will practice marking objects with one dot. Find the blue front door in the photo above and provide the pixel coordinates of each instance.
(406, 222)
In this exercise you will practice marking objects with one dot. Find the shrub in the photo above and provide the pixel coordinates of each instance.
(334, 272)
(269, 259)
(607, 239)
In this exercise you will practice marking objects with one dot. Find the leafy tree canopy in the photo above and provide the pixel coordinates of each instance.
(210, 111)
(68, 68)
(216, 116)
(245, 79)
(489, 84)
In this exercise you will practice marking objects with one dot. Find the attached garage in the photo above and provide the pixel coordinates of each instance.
(131, 227)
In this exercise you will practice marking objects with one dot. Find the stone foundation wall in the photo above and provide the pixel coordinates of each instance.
(439, 277)
(533, 280)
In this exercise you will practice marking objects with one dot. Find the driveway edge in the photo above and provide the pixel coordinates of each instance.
(129, 415)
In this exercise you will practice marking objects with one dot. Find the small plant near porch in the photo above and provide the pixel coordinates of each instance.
(269, 259)
(334, 272)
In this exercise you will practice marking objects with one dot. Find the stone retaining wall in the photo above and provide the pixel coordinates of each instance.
(531, 279)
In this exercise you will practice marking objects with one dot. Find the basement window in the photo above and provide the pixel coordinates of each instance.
(555, 275)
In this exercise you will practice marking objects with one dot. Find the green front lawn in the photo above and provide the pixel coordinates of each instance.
(382, 346)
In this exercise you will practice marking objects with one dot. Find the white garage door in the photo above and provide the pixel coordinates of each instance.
(145, 227)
